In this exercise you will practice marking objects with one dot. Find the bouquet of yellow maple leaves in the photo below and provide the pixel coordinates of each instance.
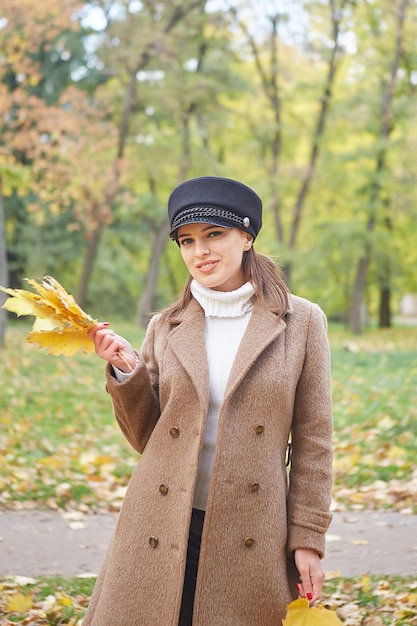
(61, 326)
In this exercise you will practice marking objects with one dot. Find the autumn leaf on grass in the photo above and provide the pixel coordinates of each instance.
(19, 603)
(61, 326)
(299, 613)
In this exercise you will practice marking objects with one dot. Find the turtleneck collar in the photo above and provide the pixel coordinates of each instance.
(224, 303)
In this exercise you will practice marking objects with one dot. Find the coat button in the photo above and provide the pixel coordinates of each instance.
(254, 487)
(259, 429)
(153, 542)
(174, 431)
(163, 489)
(249, 542)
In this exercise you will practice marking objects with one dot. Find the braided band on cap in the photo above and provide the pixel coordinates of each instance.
(198, 213)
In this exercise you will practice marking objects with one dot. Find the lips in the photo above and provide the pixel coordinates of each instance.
(207, 266)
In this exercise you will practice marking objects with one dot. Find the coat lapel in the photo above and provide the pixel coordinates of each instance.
(188, 342)
(264, 326)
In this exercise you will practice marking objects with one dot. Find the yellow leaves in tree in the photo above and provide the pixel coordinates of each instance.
(61, 326)
(299, 613)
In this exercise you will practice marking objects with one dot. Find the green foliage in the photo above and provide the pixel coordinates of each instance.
(187, 86)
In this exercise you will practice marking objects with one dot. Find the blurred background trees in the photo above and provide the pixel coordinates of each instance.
(106, 105)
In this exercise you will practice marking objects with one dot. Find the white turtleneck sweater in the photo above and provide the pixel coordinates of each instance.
(227, 315)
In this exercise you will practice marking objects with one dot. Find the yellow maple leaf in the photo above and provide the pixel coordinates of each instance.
(65, 601)
(61, 326)
(19, 603)
(299, 613)
(23, 302)
(67, 311)
(65, 341)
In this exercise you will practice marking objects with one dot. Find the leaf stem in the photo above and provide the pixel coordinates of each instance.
(122, 354)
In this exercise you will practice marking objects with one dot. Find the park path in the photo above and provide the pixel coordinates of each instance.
(44, 543)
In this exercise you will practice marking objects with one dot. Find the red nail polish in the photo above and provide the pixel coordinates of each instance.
(105, 324)
(309, 595)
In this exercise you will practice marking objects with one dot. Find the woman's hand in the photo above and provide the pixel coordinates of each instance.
(113, 348)
(311, 573)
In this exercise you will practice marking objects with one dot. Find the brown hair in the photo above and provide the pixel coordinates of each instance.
(258, 269)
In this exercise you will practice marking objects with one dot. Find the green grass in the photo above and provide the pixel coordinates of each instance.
(375, 413)
(60, 446)
(44, 601)
(373, 600)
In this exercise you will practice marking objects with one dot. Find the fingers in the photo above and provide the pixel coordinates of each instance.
(113, 348)
(311, 574)
(310, 589)
(94, 329)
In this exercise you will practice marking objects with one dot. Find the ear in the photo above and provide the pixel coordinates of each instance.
(248, 243)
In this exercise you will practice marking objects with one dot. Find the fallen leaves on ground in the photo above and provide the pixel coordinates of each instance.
(51, 602)
(375, 416)
(363, 601)
(67, 476)
(61, 448)
(373, 600)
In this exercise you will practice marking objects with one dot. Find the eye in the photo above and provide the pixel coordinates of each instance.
(215, 233)
(186, 241)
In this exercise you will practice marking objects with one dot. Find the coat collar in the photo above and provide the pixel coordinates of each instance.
(187, 340)
(263, 328)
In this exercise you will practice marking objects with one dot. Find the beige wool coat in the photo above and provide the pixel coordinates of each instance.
(256, 517)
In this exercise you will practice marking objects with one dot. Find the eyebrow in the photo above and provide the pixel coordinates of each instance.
(208, 227)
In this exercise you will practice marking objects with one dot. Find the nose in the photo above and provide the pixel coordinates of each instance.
(201, 247)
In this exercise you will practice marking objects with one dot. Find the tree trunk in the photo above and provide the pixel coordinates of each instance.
(4, 274)
(336, 16)
(387, 93)
(385, 308)
(147, 300)
(148, 296)
(356, 315)
(129, 99)
(385, 274)
(92, 249)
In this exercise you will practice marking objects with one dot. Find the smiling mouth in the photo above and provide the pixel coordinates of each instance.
(207, 266)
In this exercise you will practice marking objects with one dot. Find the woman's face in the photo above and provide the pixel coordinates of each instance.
(213, 254)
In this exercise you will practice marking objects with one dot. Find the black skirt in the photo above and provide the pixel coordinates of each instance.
(193, 554)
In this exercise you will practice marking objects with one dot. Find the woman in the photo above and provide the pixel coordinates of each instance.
(214, 530)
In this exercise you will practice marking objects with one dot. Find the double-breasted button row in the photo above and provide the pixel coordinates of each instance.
(163, 489)
(259, 429)
(254, 487)
(248, 542)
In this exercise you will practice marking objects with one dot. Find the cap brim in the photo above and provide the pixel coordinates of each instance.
(206, 220)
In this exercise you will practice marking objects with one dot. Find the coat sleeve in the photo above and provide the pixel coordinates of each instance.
(136, 400)
(311, 476)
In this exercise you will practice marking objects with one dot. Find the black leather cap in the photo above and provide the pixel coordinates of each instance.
(215, 200)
